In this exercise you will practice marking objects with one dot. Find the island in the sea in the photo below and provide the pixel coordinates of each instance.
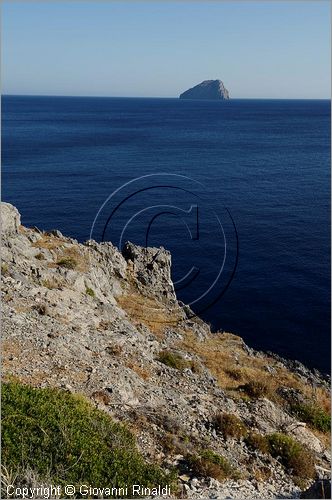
(209, 89)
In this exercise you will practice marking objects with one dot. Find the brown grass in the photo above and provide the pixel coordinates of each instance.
(72, 258)
(224, 355)
(264, 388)
(148, 311)
(210, 464)
(52, 283)
(142, 372)
(230, 425)
(22, 308)
(49, 242)
(64, 252)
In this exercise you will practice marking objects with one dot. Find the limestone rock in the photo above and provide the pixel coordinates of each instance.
(10, 218)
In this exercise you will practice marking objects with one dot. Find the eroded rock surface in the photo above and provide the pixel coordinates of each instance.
(88, 319)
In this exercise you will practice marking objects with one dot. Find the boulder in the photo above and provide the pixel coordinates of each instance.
(10, 218)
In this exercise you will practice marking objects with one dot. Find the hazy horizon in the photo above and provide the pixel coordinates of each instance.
(267, 50)
(170, 97)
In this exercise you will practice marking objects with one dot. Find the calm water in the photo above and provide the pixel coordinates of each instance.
(265, 161)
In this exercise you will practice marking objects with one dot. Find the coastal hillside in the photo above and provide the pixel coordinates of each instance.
(95, 339)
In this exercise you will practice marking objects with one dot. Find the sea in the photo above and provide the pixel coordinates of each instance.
(238, 191)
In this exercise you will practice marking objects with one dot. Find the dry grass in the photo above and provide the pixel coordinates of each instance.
(52, 283)
(142, 372)
(72, 258)
(114, 350)
(230, 425)
(148, 311)
(49, 242)
(210, 464)
(65, 254)
(225, 357)
(40, 256)
(235, 370)
(22, 308)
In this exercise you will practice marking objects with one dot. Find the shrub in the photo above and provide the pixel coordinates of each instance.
(257, 389)
(257, 442)
(41, 309)
(313, 415)
(292, 454)
(210, 464)
(39, 256)
(63, 437)
(67, 262)
(90, 292)
(114, 350)
(173, 360)
(230, 425)
(51, 283)
(4, 268)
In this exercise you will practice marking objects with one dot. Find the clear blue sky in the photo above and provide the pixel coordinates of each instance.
(259, 49)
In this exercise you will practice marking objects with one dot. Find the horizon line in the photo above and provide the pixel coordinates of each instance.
(164, 97)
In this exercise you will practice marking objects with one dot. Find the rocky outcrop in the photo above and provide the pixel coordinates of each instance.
(10, 218)
(209, 89)
(92, 320)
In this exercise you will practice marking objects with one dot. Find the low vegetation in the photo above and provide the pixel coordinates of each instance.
(175, 360)
(258, 389)
(148, 311)
(316, 417)
(64, 438)
(90, 292)
(51, 284)
(41, 309)
(210, 464)
(67, 262)
(4, 269)
(230, 426)
(49, 242)
(71, 257)
(298, 460)
(245, 376)
(257, 442)
(293, 455)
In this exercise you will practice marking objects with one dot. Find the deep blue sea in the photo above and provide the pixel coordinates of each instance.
(238, 191)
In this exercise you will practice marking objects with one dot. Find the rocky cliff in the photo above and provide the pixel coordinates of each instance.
(89, 319)
(209, 89)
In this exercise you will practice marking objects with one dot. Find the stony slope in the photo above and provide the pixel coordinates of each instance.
(92, 320)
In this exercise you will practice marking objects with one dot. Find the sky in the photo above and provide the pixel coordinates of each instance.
(261, 49)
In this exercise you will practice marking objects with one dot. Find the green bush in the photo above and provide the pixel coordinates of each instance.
(90, 292)
(210, 464)
(67, 262)
(63, 437)
(292, 455)
(257, 389)
(230, 425)
(173, 360)
(4, 269)
(313, 415)
(257, 442)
